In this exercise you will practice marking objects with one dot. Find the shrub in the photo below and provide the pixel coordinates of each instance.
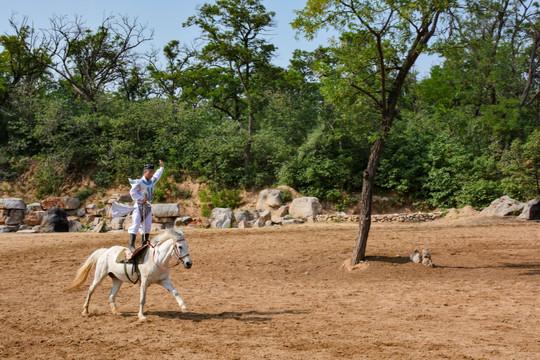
(84, 194)
(286, 195)
(215, 196)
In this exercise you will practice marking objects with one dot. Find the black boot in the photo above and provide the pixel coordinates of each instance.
(145, 239)
(132, 242)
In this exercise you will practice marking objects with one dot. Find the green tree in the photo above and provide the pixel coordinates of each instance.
(379, 44)
(233, 59)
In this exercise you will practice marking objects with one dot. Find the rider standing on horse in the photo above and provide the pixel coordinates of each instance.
(142, 192)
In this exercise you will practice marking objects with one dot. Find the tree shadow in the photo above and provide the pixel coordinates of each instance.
(533, 268)
(245, 316)
(389, 259)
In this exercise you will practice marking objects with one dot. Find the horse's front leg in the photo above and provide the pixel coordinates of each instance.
(167, 284)
(144, 286)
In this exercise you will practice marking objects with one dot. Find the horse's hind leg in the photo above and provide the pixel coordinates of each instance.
(112, 295)
(99, 275)
(167, 284)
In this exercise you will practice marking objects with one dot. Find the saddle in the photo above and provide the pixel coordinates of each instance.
(136, 258)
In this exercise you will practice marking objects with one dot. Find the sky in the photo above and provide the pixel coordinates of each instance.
(165, 17)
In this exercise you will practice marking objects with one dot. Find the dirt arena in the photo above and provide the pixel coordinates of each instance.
(280, 294)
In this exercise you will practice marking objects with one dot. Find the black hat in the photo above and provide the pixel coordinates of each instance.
(148, 167)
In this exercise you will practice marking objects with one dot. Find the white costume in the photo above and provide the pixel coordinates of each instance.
(141, 189)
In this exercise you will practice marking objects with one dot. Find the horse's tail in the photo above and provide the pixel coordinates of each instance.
(84, 270)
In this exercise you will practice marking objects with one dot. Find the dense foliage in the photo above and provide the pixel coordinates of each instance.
(465, 134)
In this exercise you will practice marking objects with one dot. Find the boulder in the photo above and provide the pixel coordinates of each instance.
(123, 198)
(269, 199)
(55, 220)
(126, 223)
(285, 222)
(222, 218)
(182, 221)
(12, 204)
(305, 207)
(78, 212)
(243, 224)
(199, 223)
(99, 227)
(163, 220)
(416, 256)
(75, 225)
(279, 213)
(241, 216)
(165, 210)
(531, 210)
(34, 217)
(14, 217)
(4, 229)
(257, 223)
(64, 203)
(116, 223)
(27, 231)
(265, 215)
(268, 223)
(503, 206)
(34, 207)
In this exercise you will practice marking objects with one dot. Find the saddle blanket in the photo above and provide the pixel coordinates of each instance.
(138, 255)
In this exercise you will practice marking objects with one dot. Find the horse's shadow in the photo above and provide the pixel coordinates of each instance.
(245, 316)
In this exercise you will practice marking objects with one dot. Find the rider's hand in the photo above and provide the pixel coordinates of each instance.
(161, 163)
(144, 201)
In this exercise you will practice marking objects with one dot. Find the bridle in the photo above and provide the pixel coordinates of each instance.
(176, 251)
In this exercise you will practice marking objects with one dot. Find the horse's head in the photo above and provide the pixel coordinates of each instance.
(181, 251)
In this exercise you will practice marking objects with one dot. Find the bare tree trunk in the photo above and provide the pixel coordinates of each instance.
(248, 145)
(359, 252)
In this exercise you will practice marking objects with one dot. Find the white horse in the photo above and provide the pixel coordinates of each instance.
(154, 269)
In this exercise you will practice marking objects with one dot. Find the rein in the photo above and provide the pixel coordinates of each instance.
(176, 251)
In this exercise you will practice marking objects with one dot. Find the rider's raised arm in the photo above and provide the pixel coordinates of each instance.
(158, 174)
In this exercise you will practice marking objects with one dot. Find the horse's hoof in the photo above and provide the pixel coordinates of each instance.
(142, 318)
(116, 313)
(184, 309)
(85, 313)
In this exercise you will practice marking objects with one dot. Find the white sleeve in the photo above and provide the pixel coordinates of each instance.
(135, 194)
(157, 174)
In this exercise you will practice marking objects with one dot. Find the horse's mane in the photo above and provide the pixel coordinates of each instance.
(161, 238)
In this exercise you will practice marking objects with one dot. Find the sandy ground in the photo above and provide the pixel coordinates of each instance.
(280, 294)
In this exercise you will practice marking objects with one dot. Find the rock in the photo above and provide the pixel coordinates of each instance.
(268, 223)
(79, 212)
(531, 210)
(253, 214)
(123, 198)
(163, 220)
(257, 223)
(64, 203)
(34, 207)
(166, 210)
(243, 224)
(99, 226)
(75, 225)
(4, 229)
(27, 231)
(199, 223)
(269, 199)
(426, 258)
(14, 217)
(12, 204)
(127, 222)
(416, 257)
(285, 222)
(241, 216)
(265, 216)
(503, 206)
(305, 207)
(55, 220)
(221, 218)
(116, 223)
(279, 213)
(182, 221)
